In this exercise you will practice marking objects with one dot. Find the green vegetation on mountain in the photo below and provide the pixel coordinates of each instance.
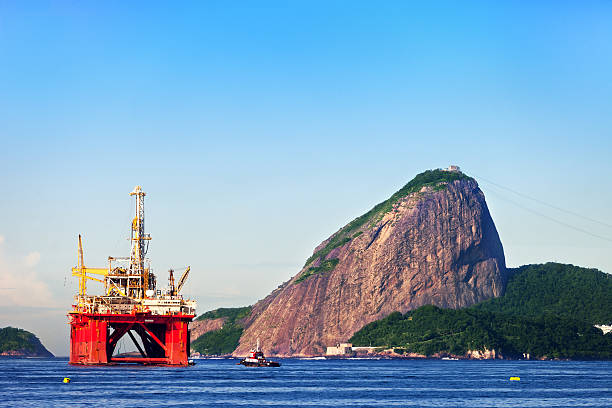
(232, 314)
(15, 341)
(436, 178)
(225, 340)
(429, 330)
(216, 342)
(547, 311)
(326, 266)
(557, 289)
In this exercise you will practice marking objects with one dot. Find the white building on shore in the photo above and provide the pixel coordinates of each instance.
(340, 349)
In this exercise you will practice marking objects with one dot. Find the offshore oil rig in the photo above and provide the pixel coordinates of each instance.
(157, 321)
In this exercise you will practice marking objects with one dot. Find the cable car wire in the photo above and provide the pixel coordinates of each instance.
(550, 218)
(575, 214)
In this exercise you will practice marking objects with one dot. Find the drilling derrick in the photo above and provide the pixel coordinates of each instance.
(137, 255)
(156, 321)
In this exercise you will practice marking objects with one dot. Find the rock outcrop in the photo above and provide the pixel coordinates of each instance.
(199, 327)
(433, 242)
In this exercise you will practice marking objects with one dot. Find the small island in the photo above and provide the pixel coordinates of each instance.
(16, 342)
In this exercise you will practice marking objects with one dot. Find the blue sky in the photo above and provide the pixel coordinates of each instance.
(260, 128)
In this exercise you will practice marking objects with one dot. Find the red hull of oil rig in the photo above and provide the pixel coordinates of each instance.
(156, 321)
(165, 339)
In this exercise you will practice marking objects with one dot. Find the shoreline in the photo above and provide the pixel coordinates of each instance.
(395, 357)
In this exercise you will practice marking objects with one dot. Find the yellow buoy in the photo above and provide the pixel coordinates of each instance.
(66, 380)
(515, 378)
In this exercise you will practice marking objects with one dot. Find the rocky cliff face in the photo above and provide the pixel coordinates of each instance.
(433, 242)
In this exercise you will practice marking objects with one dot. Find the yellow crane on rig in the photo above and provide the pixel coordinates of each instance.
(81, 271)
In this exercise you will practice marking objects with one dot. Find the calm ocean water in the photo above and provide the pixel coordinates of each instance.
(313, 383)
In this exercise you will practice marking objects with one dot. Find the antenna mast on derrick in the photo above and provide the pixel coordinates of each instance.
(137, 267)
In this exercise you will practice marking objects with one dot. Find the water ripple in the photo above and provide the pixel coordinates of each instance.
(312, 383)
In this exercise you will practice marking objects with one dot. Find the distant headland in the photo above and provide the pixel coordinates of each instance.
(16, 342)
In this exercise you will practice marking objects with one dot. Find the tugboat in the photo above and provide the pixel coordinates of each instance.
(257, 359)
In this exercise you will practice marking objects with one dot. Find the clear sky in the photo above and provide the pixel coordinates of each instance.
(259, 128)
